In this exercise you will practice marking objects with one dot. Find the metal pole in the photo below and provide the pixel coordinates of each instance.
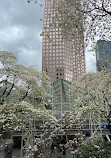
(61, 99)
(52, 100)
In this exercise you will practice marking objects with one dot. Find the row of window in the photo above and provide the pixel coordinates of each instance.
(66, 62)
(45, 29)
(48, 49)
(55, 64)
(54, 58)
(56, 47)
(59, 44)
(52, 46)
(48, 53)
(58, 56)
(67, 73)
(61, 53)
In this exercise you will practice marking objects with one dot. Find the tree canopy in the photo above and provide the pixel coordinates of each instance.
(93, 17)
(93, 92)
(14, 116)
(17, 84)
(27, 81)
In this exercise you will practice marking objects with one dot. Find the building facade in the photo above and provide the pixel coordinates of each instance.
(60, 58)
(103, 55)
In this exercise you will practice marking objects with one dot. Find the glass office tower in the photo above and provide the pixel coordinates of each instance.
(59, 57)
(103, 55)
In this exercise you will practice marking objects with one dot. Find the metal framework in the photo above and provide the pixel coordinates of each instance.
(60, 97)
(27, 136)
(97, 121)
(62, 101)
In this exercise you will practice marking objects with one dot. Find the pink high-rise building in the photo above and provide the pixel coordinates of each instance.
(60, 58)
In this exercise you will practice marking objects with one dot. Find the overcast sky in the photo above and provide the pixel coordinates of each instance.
(20, 28)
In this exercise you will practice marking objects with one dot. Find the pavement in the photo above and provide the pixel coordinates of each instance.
(16, 153)
(56, 154)
(47, 154)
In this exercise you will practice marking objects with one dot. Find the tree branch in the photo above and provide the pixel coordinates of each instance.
(25, 94)
(4, 89)
(106, 11)
(10, 89)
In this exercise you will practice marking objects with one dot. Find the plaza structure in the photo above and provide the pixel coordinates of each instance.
(61, 58)
(103, 54)
(59, 99)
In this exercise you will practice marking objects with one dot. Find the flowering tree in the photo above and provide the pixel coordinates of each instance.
(18, 83)
(92, 149)
(93, 17)
(27, 81)
(68, 124)
(78, 145)
(13, 117)
(97, 16)
(93, 92)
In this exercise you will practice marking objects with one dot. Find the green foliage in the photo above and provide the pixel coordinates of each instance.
(94, 148)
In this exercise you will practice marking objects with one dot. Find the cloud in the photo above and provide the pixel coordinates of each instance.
(90, 61)
(12, 33)
(20, 30)
(31, 58)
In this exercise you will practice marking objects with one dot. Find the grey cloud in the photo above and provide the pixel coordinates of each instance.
(20, 30)
(31, 58)
(90, 62)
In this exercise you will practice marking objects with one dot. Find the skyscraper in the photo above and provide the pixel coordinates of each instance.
(103, 54)
(59, 57)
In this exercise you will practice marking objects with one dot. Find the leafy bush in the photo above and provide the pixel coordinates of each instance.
(94, 148)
